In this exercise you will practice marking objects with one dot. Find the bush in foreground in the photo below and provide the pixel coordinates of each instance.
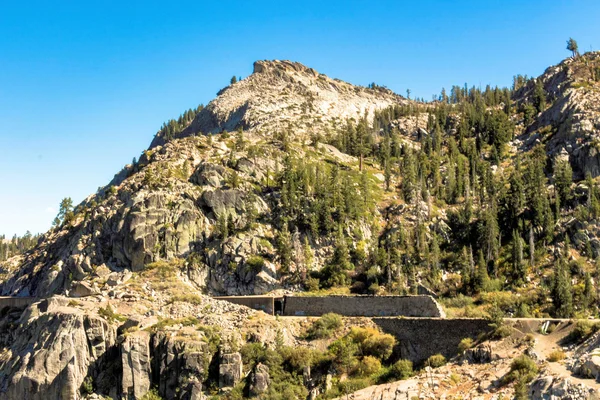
(436, 361)
(325, 326)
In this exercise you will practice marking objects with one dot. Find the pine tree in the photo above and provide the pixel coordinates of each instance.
(519, 268)
(589, 295)
(563, 178)
(490, 234)
(539, 96)
(335, 273)
(233, 80)
(65, 212)
(482, 278)
(435, 259)
(308, 255)
(573, 47)
(465, 269)
(230, 223)
(222, 226)
(284, 248)
(562, 296)
(531, 247)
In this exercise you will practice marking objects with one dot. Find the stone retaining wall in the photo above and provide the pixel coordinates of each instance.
(419, 338)
(363, 306)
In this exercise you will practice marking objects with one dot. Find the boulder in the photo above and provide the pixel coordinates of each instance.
(208, 175)
(224, 201)
(230, 370)
(260, 380)
(82, 289)
(591, 367)
(480, 354)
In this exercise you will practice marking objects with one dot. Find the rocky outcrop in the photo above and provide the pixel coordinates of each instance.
(573, 116)
(230, 369)
(153, 217)
(260, 380)
(480, 354)
(550, 387)
(53, 350)
(136, 361)
(179, 366)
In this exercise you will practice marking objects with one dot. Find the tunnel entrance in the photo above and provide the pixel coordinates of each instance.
(278, 306)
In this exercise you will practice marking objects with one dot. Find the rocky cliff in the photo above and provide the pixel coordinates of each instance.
(569, 127)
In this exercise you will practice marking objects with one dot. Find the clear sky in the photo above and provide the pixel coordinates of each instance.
(84, 85)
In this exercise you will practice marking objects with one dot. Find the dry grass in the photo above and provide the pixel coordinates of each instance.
(556, 355)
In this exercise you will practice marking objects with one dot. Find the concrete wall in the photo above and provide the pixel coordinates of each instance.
(419, 338)
(9, 301)
(363, 306)
(264, 303)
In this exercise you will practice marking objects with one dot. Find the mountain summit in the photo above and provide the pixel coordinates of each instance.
(286, 95)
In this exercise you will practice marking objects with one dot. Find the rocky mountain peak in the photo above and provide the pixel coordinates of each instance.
(286, 96)
(285, 66)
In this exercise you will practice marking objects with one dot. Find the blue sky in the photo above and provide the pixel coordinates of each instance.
(85, 85)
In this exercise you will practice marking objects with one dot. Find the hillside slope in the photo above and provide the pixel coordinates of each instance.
(290, 181)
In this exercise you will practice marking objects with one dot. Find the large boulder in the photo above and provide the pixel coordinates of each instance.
(230, 369)
(224, 201)
(260, 380)
(82, 289)
(208, 175)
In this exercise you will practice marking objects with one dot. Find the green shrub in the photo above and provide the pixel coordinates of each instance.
(522, 369)
(344, 352)
(190, 298)
(352, 385)
(254, 353)
(369, 365)
(152, 395)
(465, 344)
(325, 326)
(87, 386)
(373, 289)
(502, 332)
(371, 342)
(436, 361)
(297, 358)
(312, 284)
(460, 301)
(109, 314)
(582, 330)
(402, 369)
(255, 263)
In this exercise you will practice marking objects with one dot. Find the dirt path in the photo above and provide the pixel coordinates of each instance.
(546, 344)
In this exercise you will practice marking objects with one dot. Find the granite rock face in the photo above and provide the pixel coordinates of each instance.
(136, 362)
(574, 114)
(54, 349)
